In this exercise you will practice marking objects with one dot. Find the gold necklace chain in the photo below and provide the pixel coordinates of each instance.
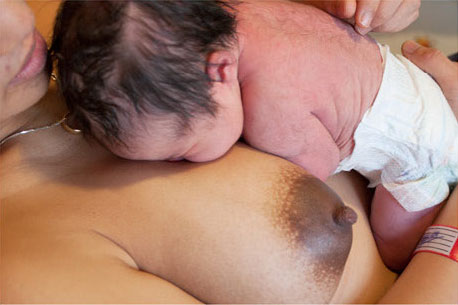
(62, 122)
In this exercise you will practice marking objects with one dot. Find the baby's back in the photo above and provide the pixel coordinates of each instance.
(307, 79)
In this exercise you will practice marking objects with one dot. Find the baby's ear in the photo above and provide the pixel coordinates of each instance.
(221, 66)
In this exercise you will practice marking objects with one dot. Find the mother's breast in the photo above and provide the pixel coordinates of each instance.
(365, 278)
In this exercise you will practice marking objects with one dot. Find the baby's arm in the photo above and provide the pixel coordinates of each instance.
(396, 230)
(303, 140)
(318, 153)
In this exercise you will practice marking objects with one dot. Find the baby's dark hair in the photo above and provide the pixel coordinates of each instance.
(116, 58)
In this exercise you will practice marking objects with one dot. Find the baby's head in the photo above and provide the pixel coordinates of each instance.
(151, 80)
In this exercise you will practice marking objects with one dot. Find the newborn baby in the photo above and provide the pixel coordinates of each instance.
(174, 75)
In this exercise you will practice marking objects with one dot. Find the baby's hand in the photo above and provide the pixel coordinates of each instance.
(435, 63)
(373, 15)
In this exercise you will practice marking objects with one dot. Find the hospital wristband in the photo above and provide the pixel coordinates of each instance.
(439, 239)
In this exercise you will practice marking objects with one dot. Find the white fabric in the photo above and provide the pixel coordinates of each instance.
(408, 139)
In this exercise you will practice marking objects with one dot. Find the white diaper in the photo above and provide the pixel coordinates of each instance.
(408, 139)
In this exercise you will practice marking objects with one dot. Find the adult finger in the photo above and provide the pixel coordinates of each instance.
(340, 8)
(345, 9)
(435, 63)
(365, 12)
(406, 13)
(385, 12)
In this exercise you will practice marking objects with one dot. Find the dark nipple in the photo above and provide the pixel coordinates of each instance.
(344, 216)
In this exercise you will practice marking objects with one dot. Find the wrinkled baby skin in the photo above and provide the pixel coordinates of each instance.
(307, 79)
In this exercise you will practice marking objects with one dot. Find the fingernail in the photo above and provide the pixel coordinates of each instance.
(365, 19)
(362, 31)
(410, 46)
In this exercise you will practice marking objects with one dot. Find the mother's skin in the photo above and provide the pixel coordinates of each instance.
(82, 226)
(79, 225)
(97, 228)
(62, 196)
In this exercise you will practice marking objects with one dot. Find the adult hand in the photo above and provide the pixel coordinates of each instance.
(436, 64)
(372, 15)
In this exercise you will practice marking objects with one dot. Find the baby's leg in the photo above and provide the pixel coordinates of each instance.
(396, 230)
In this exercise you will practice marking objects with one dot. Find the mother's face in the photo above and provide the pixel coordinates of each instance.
(23, 80)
